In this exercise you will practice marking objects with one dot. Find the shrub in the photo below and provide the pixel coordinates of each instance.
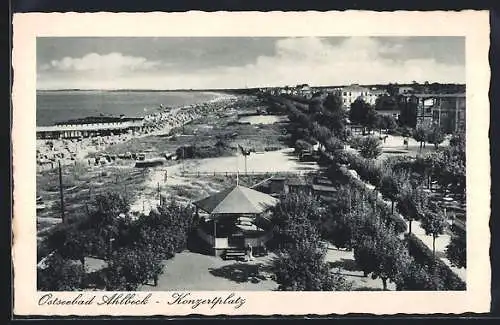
(355, 141)
(370, 147)
(424, 256)
(166, 229)
(303, 269)
(130, 267)
(301, 145)
(457, 250)
(417, 277)
(334, 144)
(60, 274)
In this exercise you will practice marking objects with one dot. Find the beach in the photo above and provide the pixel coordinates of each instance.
(70, 151)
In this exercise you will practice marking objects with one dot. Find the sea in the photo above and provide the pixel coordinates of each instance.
(62, 105)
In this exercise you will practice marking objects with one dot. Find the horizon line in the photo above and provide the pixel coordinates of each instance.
(242, 88)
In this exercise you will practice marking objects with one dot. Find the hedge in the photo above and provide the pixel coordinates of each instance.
(397, 221)
(423, 255)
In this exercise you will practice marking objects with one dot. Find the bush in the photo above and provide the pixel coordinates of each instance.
(60, 274)
(424, 256)
(304, 269)
(457, 250)
(355, 141)
(130, 267)
(165, 230)
(370, 147)
(301, 145)
(417, 277)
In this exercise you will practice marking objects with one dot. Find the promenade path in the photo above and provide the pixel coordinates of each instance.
(271, 161)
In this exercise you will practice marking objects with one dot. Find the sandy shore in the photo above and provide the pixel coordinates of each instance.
(70, 151)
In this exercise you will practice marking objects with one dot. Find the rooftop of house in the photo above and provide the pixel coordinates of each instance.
(435, 95)
(355, 88)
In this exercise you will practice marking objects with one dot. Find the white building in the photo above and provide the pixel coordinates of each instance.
(350, 93)
(373, 94)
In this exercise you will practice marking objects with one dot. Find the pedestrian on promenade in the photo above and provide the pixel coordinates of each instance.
(248, 251)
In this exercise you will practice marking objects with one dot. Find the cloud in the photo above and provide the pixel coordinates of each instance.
(312, 60)
(112, 62)
(356, 59)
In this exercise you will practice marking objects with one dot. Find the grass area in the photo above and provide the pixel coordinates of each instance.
(206, 132)
(80, 184)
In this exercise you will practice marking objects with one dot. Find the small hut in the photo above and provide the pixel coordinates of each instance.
(234, 218)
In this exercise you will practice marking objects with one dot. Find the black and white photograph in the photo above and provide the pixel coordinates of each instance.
(175, 168)
(251, 163)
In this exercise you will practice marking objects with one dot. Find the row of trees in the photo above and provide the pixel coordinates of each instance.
(365, 114)
(405, 181)
(300, 265)
(132, 248)
(411, 200)
(423, 134)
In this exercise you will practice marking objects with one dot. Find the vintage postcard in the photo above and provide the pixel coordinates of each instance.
(251, 163)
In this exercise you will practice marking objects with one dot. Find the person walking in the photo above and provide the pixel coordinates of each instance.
(249, 252)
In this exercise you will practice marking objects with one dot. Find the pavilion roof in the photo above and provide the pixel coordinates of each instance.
(237, 200)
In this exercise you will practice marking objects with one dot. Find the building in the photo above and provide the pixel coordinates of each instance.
(350, 93)
(303, 90)
(234, 218)
(405, 90)
(374, 94)
(445, 110)
(89, 128)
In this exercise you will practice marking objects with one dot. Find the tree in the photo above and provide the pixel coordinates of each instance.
(456, 251)
(408, 115)
(389, 187)
(448, 168)
(386, 103)
(301, 266)
(436, 136)
(370, 147)
(360, 111)
(320, 132)
(415, 276)
(334, 115)
(333, 144)
(412, 201)
(383, 255)
(60, 274)
(390, 122)
(434, 224)
(130, 267)
(303, 269)
(420, 134)
(301, 145)
(165, 229)
(295, 217)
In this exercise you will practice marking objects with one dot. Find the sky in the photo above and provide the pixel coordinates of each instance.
(239, 62)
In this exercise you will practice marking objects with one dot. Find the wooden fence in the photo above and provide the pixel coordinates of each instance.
(250, 173)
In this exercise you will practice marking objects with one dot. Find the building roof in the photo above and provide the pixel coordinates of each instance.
(435, 95)
(89, 127)
(323, 188)
(355, 88)
(237, 200)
